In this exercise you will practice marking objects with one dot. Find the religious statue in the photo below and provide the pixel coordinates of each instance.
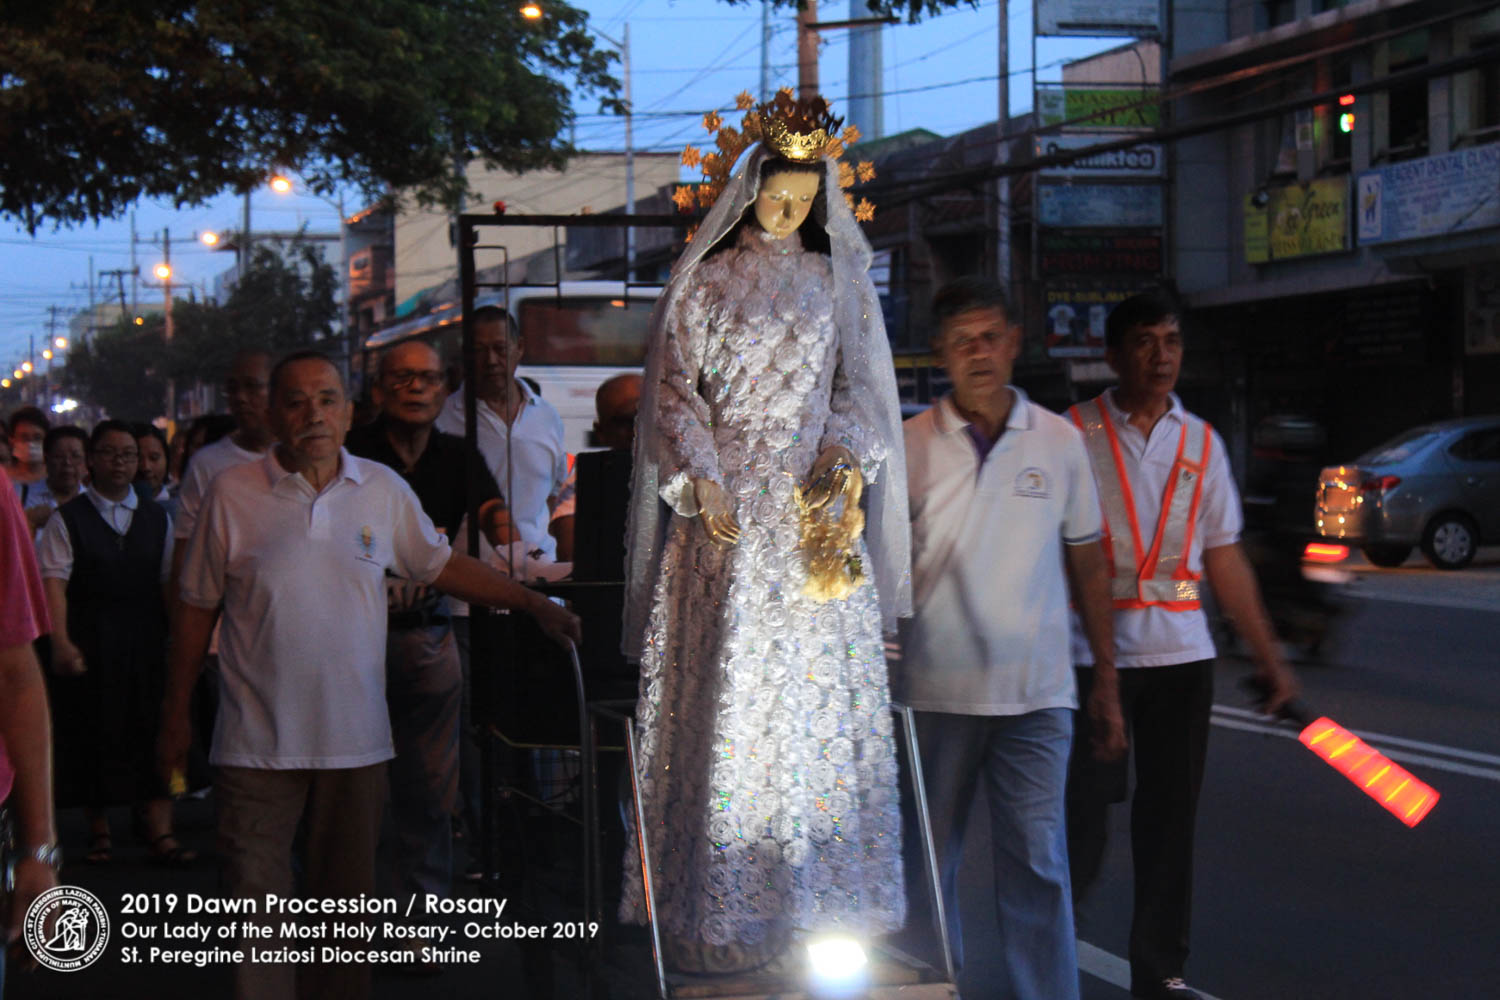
(768, 554)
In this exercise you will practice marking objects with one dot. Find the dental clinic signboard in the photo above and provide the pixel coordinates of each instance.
(1433, 196)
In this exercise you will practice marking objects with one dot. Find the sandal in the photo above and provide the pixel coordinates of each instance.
(100, 848)
(173, 854)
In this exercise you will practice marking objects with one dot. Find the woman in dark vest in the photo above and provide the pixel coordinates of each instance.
(104, 557)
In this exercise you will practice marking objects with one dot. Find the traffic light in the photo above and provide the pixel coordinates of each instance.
(1346, 118)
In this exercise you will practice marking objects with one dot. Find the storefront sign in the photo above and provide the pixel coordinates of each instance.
(1098, 108)
(1299, 220)
(1257, 231)
(1433, 196)
(1076, 311)
(1098, 253)
(1114, 206)
(1144, 160)
(1097, 18)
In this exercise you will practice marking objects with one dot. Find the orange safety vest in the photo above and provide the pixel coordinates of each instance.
(1158, 576)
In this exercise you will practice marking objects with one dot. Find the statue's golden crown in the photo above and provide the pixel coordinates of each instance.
(798, 130)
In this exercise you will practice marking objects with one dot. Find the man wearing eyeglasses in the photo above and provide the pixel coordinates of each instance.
(424, 682)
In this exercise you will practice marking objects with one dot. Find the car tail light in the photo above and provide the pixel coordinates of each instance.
(1379, 484)
(1323, 552)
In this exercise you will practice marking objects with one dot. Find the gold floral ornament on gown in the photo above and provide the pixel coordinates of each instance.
(801, 130)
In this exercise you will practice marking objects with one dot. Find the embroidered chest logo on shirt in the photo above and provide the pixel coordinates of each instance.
(367, 543)
(1032, 482)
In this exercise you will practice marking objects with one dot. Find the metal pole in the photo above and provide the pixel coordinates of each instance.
(807, 50)
(765, 50)
(344, 325)
(1002, 153)
(166, 286)
(629, 161)
(243, 257)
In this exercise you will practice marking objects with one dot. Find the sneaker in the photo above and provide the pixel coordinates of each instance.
(1171, 988)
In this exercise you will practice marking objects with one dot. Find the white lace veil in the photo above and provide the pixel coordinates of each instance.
(866, 358)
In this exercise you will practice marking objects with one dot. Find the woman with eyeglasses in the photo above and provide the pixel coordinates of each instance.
(104, 557)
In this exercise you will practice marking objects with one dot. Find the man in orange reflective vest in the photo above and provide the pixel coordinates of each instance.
(1172, 522)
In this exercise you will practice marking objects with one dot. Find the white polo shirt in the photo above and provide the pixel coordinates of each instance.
(1156, 637)
(990, 632)
(54, 550)
(301, 575)
(203, 468)
(539, 460)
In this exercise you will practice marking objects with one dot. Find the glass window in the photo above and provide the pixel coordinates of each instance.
(586, 331)
(1478, 446)
(1400, 447)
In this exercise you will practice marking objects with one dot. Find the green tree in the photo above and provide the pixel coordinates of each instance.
(102, 104)
(286, 300)
(121, 369)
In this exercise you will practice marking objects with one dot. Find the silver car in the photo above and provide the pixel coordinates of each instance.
(1437, 486)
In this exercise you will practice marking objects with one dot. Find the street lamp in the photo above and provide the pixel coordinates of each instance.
(26, 367)
(531, 11)
(61, 343)
(47, 354)
(208, 238)
(162, 271)
(281, 184)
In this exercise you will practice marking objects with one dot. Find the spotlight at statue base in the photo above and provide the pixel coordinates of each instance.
(836, 966)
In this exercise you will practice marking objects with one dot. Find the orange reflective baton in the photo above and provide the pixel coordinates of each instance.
(1383, 780)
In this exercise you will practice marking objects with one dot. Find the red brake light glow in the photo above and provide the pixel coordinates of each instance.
(1323, 552)
(1379, 484)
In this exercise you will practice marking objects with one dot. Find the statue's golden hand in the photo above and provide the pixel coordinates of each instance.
(716, 513)
(830, 476)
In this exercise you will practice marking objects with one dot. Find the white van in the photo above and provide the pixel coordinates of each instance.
(577, 335)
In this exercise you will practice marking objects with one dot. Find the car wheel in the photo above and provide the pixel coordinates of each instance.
(1388, 556)
(1450, 541)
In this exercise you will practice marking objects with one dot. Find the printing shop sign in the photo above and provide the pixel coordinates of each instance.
(1144, 160)
(1433, 196)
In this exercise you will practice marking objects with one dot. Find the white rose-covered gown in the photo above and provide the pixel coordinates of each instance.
(768, 772)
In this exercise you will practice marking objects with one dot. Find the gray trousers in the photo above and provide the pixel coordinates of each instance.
(424, 691)
(259, 812)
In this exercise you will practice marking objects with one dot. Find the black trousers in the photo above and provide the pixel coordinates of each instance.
(1166, 713)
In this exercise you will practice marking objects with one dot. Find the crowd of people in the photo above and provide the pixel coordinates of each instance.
(285, 593)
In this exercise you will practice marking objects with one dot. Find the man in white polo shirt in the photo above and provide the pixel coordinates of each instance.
(520, 434)
(1172, 518)
(1005, 524)
(245, 388)
(296, 547)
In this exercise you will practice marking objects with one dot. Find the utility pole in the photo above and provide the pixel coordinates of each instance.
(135, 273)
(1002, 155)
(166, 287)
(807, 50)
(765, 50)
(629, 161)
(50, 350)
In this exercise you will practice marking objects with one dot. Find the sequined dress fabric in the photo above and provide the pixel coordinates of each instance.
(768, 774)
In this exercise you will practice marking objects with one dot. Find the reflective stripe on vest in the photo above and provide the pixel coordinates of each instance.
(1158, 576)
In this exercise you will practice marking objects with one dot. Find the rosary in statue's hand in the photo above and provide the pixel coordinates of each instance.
(715, 512)
(829, 478)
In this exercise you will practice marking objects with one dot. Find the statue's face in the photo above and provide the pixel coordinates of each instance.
(786, 196)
